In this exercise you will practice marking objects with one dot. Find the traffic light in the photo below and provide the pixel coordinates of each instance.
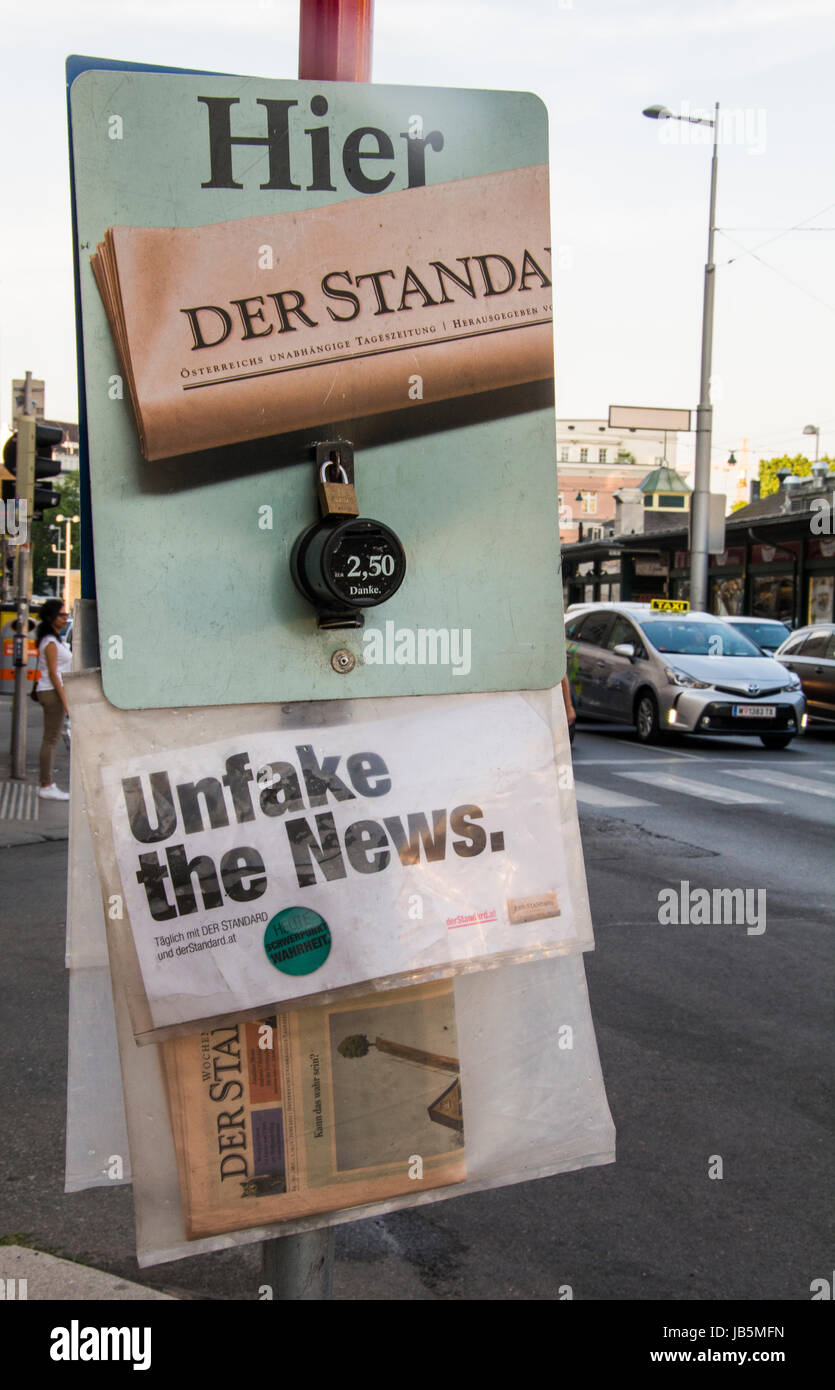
(6, 484)
(47, 438)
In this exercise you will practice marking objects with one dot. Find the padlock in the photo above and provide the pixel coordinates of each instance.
(336, 499)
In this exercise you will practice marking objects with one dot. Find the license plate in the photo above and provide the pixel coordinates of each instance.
(754, 711)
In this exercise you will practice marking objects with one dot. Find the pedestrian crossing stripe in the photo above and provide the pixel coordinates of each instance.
(606, 796)
(706, 791)
(18, 801)
(609, 797)
(783, 779)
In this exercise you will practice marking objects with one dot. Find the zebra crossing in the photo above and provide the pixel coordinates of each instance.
(687, 786)
(18, 801)
(785, 779)
(732, 786)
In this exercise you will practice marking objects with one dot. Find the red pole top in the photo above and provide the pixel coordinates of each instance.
(335, 38)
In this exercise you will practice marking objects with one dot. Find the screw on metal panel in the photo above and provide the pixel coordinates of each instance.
(343, 661)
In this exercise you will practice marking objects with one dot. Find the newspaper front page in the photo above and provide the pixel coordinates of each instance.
(317, 1110)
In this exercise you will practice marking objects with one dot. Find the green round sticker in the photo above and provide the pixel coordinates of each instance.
(297, 941)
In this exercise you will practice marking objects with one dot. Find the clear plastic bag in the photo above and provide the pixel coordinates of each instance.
(404, 891)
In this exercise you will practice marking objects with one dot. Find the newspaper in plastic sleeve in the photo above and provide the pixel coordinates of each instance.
(295, 864)
(317, 1110)
(533, 1106)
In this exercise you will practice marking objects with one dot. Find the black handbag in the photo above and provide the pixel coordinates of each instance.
(33, 693)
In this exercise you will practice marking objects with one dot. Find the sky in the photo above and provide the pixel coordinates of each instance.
(629, 195)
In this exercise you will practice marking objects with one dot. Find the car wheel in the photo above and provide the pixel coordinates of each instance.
(646, 718)
(776, 740)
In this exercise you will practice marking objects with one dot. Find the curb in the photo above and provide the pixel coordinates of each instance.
(14, 838)
(48, 1277)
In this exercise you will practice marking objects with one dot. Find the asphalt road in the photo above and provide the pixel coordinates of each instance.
(714, 1040)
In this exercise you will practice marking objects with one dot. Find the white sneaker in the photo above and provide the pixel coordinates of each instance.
(53, 793)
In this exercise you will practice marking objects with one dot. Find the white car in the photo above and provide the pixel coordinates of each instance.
(768, 633)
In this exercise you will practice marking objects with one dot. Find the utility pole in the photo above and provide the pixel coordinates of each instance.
(25, 486)
(700, 501)
(5, 592)
(335, 40)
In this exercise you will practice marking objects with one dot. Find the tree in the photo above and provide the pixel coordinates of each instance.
(67, 485)
(769, 482)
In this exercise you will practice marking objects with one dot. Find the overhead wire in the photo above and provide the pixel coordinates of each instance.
(794, 283)
(798, 227)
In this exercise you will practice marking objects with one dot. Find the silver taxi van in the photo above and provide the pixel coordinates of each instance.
(677, 671)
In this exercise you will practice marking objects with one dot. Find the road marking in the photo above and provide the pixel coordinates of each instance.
(603, 796)
(784, 779)
(646, 761)
(678, 753)
(653, 752)
(779, 760)
(706, 791)
(18, 801)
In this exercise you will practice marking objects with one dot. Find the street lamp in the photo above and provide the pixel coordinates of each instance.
(68, 520)
(815, 430)
(58, 551)
(700, 501)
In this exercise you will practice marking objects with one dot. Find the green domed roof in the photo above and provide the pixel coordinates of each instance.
(664, 479)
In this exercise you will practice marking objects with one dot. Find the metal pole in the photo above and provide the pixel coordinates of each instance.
(25, 489)
(335, 38)
(67, 563)
(299, 1268)
(700, 502)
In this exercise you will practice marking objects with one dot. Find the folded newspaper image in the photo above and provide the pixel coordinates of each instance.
(318, 1110)
(264, 325)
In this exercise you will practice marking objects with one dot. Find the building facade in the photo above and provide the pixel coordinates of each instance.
(778, 560)
(67, 452)
(594, 462)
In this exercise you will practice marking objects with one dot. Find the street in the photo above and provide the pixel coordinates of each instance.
(714, 1041)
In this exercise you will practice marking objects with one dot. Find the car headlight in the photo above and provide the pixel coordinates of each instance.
(681, 678)
(794, 682)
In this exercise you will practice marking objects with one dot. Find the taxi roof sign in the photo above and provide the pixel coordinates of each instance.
(669, 605)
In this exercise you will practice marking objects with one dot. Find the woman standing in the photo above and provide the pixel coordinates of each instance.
(54, 660)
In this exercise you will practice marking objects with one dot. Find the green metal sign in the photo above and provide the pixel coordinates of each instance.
(266, 266)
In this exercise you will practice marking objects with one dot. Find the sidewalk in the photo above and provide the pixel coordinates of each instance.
(52, 816)
(48, 1277)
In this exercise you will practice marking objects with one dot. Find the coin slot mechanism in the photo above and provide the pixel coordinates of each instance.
(344, 563)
